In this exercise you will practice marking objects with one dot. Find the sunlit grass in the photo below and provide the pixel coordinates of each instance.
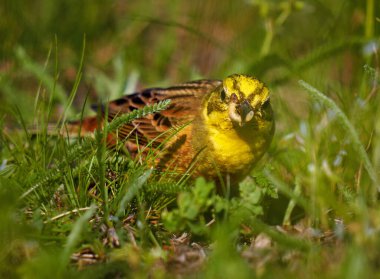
(310, 207)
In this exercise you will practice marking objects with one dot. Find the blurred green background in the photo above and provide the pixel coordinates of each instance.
(103, 49)
(163, 42)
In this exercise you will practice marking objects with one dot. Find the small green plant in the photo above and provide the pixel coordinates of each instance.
(201, 205)
(76, 209)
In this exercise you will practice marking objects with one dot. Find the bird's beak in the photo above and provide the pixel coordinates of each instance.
(240, 113)
(246, 112)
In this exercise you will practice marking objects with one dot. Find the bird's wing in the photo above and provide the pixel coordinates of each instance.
(186, 100)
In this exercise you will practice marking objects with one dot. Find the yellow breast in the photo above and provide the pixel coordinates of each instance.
(230, 152)
(228, 148)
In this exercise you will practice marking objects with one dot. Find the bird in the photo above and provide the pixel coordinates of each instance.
(211, 128)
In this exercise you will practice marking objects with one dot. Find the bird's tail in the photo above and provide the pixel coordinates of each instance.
(80, 128)
(72, 129)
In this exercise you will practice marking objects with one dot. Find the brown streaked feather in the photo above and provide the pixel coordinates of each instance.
(186, 100)
(81, 127)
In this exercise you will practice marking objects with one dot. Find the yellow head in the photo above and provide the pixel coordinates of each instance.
(236, 126)
(243, 98)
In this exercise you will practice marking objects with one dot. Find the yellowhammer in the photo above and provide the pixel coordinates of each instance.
(223, 127)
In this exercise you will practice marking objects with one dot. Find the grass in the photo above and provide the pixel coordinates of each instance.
(76, 208)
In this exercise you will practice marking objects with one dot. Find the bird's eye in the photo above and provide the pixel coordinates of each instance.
(266, 103)
(222, 95)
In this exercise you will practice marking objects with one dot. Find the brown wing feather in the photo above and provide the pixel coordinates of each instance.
(185, 99)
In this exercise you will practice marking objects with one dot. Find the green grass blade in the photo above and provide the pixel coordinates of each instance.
(74, 236)
(88, 143)
(40, 73)
(133, 190)
(76, 85)
(281, 238)
(123, 119)
(285, 189)
(342, 118)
